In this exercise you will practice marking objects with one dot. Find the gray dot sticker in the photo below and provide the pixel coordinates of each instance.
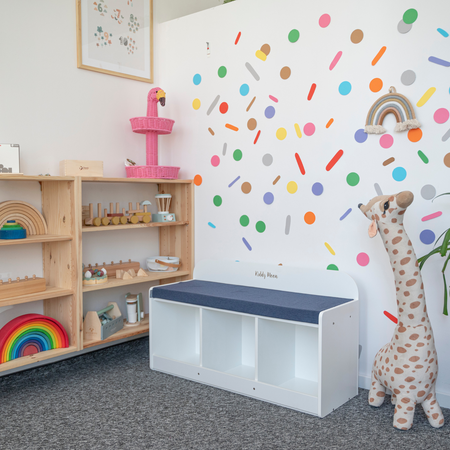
(403, 27)
(408, 77)
(428, 192)
(267, 159)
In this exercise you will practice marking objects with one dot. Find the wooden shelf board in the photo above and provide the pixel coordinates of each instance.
(16, 177)
(152, 276)
(133, 180)
(38, 238)
(30, 359)
(50, 292)
(90, 229)
(125, 332)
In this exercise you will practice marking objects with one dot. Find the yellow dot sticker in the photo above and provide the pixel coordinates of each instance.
(281, 133)
(292, 187)
(196, 103)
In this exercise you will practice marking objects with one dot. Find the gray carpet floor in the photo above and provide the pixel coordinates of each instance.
(110, 399)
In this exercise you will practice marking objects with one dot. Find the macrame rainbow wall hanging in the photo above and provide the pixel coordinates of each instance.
(30, 334)
(391, 103)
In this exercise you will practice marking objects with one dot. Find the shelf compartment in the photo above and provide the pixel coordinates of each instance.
(36, 239)
(50, 292)
(134, 180)
(288, 356)
(41, 356)
(176, 331)
(90, 229)
(152, 276)
(228, 343)
(125, 332)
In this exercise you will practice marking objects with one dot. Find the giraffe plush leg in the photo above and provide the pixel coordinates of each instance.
(377, 392)
(432, 409)
(404, 412)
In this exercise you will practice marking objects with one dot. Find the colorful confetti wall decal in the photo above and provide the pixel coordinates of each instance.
(334, 160)
(378, 55)
(425, 97)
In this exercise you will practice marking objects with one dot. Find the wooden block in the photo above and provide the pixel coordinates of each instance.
(119, 274)
(142, 273)
(76, 168)
(22, 287)
(132, 272)
(127, 276)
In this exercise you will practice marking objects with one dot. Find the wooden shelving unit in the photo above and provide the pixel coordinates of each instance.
(62, 255)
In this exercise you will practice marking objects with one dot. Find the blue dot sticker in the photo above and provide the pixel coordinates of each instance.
(244, 89)
(197, 79)
(399, 174)
(268, 198)
(427, 237)
(345, 88)
(317, 189)
(361, 136)
(269, 112)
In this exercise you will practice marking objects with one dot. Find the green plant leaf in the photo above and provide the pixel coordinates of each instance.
(424, 258)
(444, 246)
(437, 240)
(445, 264)
(440, 195)
(445, 312)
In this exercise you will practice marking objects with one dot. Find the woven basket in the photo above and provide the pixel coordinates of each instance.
(152, 172)
(145, 124)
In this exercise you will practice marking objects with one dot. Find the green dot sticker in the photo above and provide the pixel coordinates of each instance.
(294, 35)
(352, 179)
(222, 71)
(332, 267)
(244, 220)
(237, 155)
(217, 200)
(260, 227)
(410, 16)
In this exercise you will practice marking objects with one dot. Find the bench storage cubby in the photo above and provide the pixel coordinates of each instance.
(285, 335)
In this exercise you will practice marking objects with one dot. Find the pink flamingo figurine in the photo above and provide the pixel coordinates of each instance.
(151, 126)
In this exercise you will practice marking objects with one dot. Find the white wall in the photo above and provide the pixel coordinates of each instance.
(56, 111)
(192, 146)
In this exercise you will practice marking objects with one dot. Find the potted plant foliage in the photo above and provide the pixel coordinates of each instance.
(444, 250)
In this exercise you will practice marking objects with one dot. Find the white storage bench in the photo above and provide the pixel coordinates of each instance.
(285, 335)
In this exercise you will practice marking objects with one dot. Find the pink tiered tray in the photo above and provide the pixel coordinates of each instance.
(151, 126)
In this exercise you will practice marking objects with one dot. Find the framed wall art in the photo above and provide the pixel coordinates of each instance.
(116, 37)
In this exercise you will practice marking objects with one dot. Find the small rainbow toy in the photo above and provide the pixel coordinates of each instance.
(391, 103)
(30, 334)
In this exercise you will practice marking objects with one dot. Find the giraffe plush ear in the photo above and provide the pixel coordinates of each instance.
(373, 229)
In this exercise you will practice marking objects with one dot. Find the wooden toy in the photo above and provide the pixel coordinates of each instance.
(163, 263)
(142, 273)
(134, 216)
(100, 325)
(12, 230)
(151, 126)
(21, 287)
(135, 309)
(30, 334)
(25, 215)
(113, 268)
(163, 214)
(94, 276)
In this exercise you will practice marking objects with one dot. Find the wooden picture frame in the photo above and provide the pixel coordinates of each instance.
(115, 37)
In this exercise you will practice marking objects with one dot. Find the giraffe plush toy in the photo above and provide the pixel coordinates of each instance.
(406, 367)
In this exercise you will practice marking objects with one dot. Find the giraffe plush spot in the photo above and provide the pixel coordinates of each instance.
(412, 387)
(409, 379)
(411, 316)
(414, 305)
(406, 293)
(414, 358)
(398, 370)
(420, 344)
(401, 350)
(405, 261)
(402, 421)
(414, 336)
(435, 416)
(421, 393)
(380, 394)
(401, 329)
(396, 240)
(405, 400)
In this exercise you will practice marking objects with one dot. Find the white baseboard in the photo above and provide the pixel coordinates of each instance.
(443, 398)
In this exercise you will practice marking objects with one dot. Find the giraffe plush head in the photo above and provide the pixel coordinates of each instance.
(386, 210)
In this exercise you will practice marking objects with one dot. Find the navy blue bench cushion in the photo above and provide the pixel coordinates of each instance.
(249, 300)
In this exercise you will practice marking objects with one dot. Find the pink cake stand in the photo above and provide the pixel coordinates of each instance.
(151, 126)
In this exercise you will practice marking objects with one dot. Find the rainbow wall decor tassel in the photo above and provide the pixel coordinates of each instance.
(30, 334)
(391, 103)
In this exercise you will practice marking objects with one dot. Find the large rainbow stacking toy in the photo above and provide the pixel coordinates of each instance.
(391, 103)
(30, 334)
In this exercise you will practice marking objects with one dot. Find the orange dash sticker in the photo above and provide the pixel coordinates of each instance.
(329, 123)
(211, 131)
(231, 127)
(257, 137)
(379, 55)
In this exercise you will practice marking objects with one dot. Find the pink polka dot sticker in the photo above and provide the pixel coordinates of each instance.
(386, 140)
(309, 129)
(363, 259)
(324, 20)
(215, 160)
(441, 115)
